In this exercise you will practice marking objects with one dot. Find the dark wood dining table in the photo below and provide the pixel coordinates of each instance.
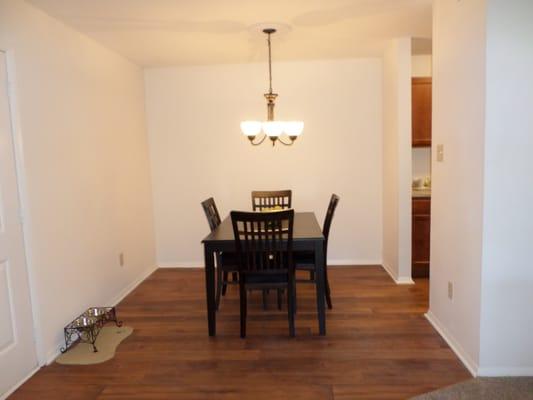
(307, 236)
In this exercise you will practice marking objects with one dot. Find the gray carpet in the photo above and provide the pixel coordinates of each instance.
(486, 389)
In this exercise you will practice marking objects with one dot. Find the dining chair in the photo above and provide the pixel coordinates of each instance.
(226, 262)
(306, 260)
(269, 200)
(264, 253)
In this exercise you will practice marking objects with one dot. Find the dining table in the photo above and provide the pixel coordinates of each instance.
(307, 236)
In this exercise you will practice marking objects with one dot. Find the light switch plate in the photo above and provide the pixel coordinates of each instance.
(440, 152)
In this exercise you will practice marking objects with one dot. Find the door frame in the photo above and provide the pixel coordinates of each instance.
(21, 178)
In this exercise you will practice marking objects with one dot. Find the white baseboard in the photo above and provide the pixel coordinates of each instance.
(352, 262)
(470, 364)
(401, 280)
(54, 353)
(128, 289)
(504, 371)
(335, 262)
(404, 281)
(186, 264)
(5, 395)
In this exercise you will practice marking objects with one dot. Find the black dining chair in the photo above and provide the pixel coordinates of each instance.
(226, 262)
(269, 200)
(306, 260)
(264, 253)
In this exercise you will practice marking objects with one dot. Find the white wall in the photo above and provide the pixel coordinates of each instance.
(197, 149)
(457, 189)
(507, 273)
(421, 65)
(82, 129)
(397, 160)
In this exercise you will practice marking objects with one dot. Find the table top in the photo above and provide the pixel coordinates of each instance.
(305, 227)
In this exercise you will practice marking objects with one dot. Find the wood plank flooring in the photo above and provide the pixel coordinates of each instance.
(378, 346)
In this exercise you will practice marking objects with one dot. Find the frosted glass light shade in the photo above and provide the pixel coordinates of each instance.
(273, 128)
(251, 128)
(293, 128)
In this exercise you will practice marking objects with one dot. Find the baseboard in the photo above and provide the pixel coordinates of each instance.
(454, 344)
(334, 262)
(5, 395)
(186, 264)
(132, 286)
(352, 262)
(53, 354)
(402, 280)
(504, 371)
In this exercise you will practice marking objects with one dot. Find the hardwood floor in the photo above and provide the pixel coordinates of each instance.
(378, 346)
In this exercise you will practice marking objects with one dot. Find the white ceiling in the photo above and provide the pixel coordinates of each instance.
(180, 32)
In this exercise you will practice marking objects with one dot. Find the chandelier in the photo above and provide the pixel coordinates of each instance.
(270, 128)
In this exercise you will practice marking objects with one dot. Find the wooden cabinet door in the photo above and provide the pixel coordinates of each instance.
(421, 111)
(421, 237)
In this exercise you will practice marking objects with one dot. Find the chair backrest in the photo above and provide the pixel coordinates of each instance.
(264, 241)
(211, 212)
(262, 200)
(329, 216)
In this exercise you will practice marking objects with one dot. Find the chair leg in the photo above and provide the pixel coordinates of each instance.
(265, 293)
(225, 283)
(328, 291)
(294, 296)
(242, 296)
(294, 299)
(234, 277)
(312, 275)
(291, 306)
(219, 287)
(280, 291)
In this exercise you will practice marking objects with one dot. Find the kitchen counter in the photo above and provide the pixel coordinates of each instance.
(419, 193)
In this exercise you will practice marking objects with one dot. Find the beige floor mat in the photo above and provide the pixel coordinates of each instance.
(106, 343)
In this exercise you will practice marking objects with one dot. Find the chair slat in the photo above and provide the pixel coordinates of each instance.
(262, 200)
(211, 212)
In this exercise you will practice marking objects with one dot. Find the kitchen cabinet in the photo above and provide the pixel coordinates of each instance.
(421, 111)
(421, 224)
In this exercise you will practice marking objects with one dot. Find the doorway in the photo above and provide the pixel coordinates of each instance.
(421, 121)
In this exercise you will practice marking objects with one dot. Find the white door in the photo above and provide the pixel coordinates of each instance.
(17, 347)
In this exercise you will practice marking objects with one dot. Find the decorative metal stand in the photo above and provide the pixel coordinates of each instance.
(88, 325)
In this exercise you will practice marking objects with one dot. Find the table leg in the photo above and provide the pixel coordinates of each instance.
(320, 286)
(210, 290)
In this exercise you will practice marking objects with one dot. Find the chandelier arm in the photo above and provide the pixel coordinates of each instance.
(286, 144)
(261, 141)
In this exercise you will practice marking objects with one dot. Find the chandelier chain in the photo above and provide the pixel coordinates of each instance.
(269, 64)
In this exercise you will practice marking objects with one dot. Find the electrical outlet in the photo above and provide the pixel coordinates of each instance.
(121, 259)
(450, 290)
(440, 152)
